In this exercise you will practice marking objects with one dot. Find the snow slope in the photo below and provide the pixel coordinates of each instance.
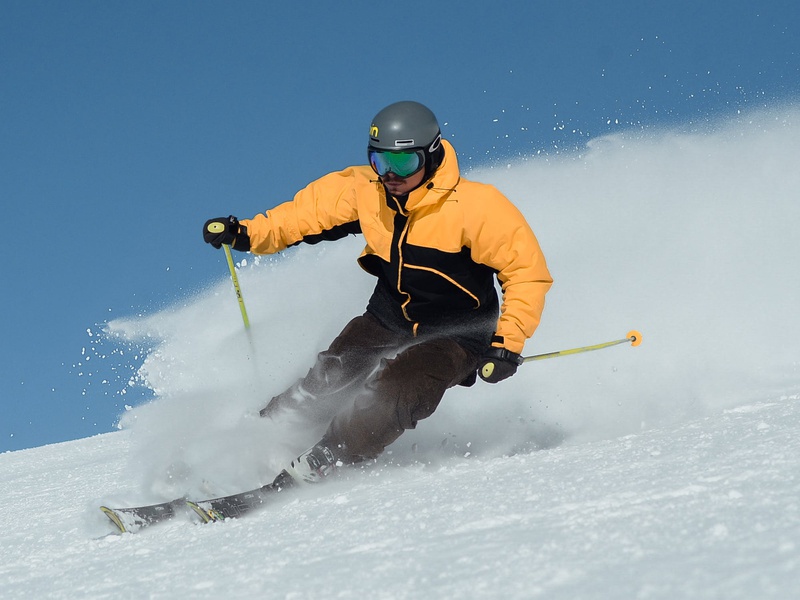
(665, 471)
(705, 509)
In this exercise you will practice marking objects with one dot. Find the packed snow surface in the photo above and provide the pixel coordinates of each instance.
(670, 470)
(705, 509)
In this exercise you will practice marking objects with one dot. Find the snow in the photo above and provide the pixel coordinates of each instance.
(670, 470)
(705, 509)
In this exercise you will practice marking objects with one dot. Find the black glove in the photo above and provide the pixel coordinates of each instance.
(224, 230)
(498, 364)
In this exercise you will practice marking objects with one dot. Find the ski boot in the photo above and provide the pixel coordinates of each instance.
(313, 465)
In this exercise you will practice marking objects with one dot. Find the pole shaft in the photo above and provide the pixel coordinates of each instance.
(238, 289)
(577, 350)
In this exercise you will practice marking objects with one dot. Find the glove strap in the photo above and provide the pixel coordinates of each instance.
(506, 355)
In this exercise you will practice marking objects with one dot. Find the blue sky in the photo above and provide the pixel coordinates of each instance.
(125, 125)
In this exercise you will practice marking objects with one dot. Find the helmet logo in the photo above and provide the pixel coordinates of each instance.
(435, 144)
(373, 131)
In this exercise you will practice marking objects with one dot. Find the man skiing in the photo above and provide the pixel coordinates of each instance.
(435, 242)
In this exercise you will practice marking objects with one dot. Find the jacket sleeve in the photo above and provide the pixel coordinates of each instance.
(503, 240)
(323, 206)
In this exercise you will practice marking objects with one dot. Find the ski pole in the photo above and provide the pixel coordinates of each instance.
(216, 227)
(235, 279)
(634, 337)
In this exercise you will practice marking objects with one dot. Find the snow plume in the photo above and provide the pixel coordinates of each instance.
(686, 236)
(202, 433)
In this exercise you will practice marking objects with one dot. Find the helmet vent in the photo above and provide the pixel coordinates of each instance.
(403, 143)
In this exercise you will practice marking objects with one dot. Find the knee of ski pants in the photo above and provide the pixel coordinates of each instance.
(417, 378)
(347, 362)
(350, 358)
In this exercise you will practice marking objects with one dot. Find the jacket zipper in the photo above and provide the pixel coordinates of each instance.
(401, 237)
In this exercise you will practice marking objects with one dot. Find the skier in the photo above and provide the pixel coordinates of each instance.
(434, 241)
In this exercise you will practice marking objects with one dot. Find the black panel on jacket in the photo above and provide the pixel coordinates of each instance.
(333, 234)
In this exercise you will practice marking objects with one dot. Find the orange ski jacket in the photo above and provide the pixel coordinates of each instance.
(436, 253)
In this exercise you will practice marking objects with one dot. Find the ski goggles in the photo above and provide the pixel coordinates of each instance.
(401, 164)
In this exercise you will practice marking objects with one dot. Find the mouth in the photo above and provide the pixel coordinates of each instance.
(395, 187)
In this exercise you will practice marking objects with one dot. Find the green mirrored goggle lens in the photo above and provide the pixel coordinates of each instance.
(401, 164)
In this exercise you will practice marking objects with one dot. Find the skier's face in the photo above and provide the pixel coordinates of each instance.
(400, 186)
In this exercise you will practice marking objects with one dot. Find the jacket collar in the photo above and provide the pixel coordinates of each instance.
(439, 186)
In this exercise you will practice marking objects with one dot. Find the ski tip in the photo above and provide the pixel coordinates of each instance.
(635, 337)
(114, 518)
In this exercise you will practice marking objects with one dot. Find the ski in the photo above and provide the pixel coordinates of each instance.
(231, 507)
(132, 519)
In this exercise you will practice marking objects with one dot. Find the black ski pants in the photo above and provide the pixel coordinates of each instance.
(372, 384)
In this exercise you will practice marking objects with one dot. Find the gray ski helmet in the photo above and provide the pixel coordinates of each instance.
(408, 125)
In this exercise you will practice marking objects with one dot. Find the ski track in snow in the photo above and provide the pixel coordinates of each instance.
(665, 471)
